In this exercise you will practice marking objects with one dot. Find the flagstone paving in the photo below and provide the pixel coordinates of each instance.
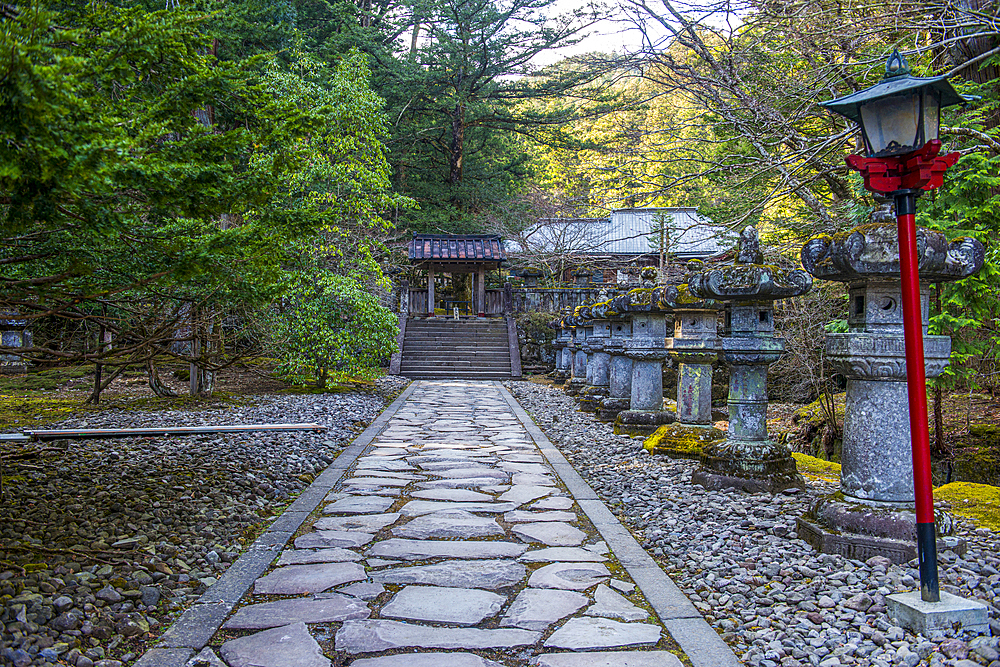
(450, 533)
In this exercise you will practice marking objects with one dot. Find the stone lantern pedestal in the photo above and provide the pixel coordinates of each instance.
(695, 347)
(873, 514)
(747, 459)
(619, 368)
(598, 367)
(646, 349)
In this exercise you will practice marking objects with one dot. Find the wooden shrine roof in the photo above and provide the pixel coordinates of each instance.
(467, 248)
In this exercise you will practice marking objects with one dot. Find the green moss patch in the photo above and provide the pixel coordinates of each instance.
(978, 502)
(30, 411)
(989, 434)
(815, 413)
(681, 441)
(978, 465)
(815, 468)
(42, 380)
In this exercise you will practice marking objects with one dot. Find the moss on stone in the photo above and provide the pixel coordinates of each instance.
(980, 465)
(990, 433)
(682, 441)
(815, 412)
(815, 468)
(978, 502)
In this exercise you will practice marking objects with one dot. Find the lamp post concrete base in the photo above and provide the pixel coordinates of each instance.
(934, 618)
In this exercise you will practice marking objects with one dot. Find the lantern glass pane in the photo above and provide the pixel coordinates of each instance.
(891, 124)
(932, 115)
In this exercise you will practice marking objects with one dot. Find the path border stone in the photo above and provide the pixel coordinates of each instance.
(196, 626)
(702, 644)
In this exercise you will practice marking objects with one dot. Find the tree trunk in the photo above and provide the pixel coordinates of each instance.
(939, 446)
(455, 150)
(95, 396)
(155, 383)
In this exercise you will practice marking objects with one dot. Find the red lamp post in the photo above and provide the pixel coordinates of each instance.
(900, 118)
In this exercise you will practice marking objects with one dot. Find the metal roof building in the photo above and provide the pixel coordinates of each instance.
(632, 231)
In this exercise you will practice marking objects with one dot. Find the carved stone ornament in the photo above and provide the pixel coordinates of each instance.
(873, 250)
(644, 350)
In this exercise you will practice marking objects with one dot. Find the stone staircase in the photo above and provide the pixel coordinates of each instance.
(440, 348)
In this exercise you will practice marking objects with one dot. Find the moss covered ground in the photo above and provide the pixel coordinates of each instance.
(978, 502)
(815, 468)
(41, 397)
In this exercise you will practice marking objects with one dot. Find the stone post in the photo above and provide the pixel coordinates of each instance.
(695, 347)
(874, 515)
(430, 292)
(747, 459)
(619, 365)
(600, 360)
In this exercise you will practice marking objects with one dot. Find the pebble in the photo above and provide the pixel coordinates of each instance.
(179, 509)
(738, 557)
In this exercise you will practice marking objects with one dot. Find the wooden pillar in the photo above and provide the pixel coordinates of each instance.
(481, 290)
(430, 291)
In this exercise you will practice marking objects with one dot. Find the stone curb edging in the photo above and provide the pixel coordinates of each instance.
(196, 626)
(703, 645)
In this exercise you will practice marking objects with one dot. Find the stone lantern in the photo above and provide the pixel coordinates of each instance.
(598, 363)
(646, 348)
(695, 347)
(14, 334)
(747, 459)
(619, 365)
(531, 276)
(582, 276)
(874, 515)
(563, 354)
(578, 371)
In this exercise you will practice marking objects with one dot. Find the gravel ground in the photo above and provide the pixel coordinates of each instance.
(737, 557)
(103, 542)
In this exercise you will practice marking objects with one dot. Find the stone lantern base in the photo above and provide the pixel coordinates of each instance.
(573, 386)
(590, 398)
(851, 528)
(683, 441)
(642, 422)
(559, 377)
(610, 408)
(751, 466)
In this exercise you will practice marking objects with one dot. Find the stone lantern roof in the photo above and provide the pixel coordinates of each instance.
(872, 251)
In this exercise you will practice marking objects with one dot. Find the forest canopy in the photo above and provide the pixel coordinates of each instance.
(187, 179)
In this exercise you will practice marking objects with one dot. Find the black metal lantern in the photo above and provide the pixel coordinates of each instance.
(900, 114)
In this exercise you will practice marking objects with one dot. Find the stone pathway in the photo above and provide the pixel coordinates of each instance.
(452, 541)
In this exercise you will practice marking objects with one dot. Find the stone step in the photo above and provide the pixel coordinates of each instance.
(452, 368)
(446, 353)
(485, 350)
(482, 375)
